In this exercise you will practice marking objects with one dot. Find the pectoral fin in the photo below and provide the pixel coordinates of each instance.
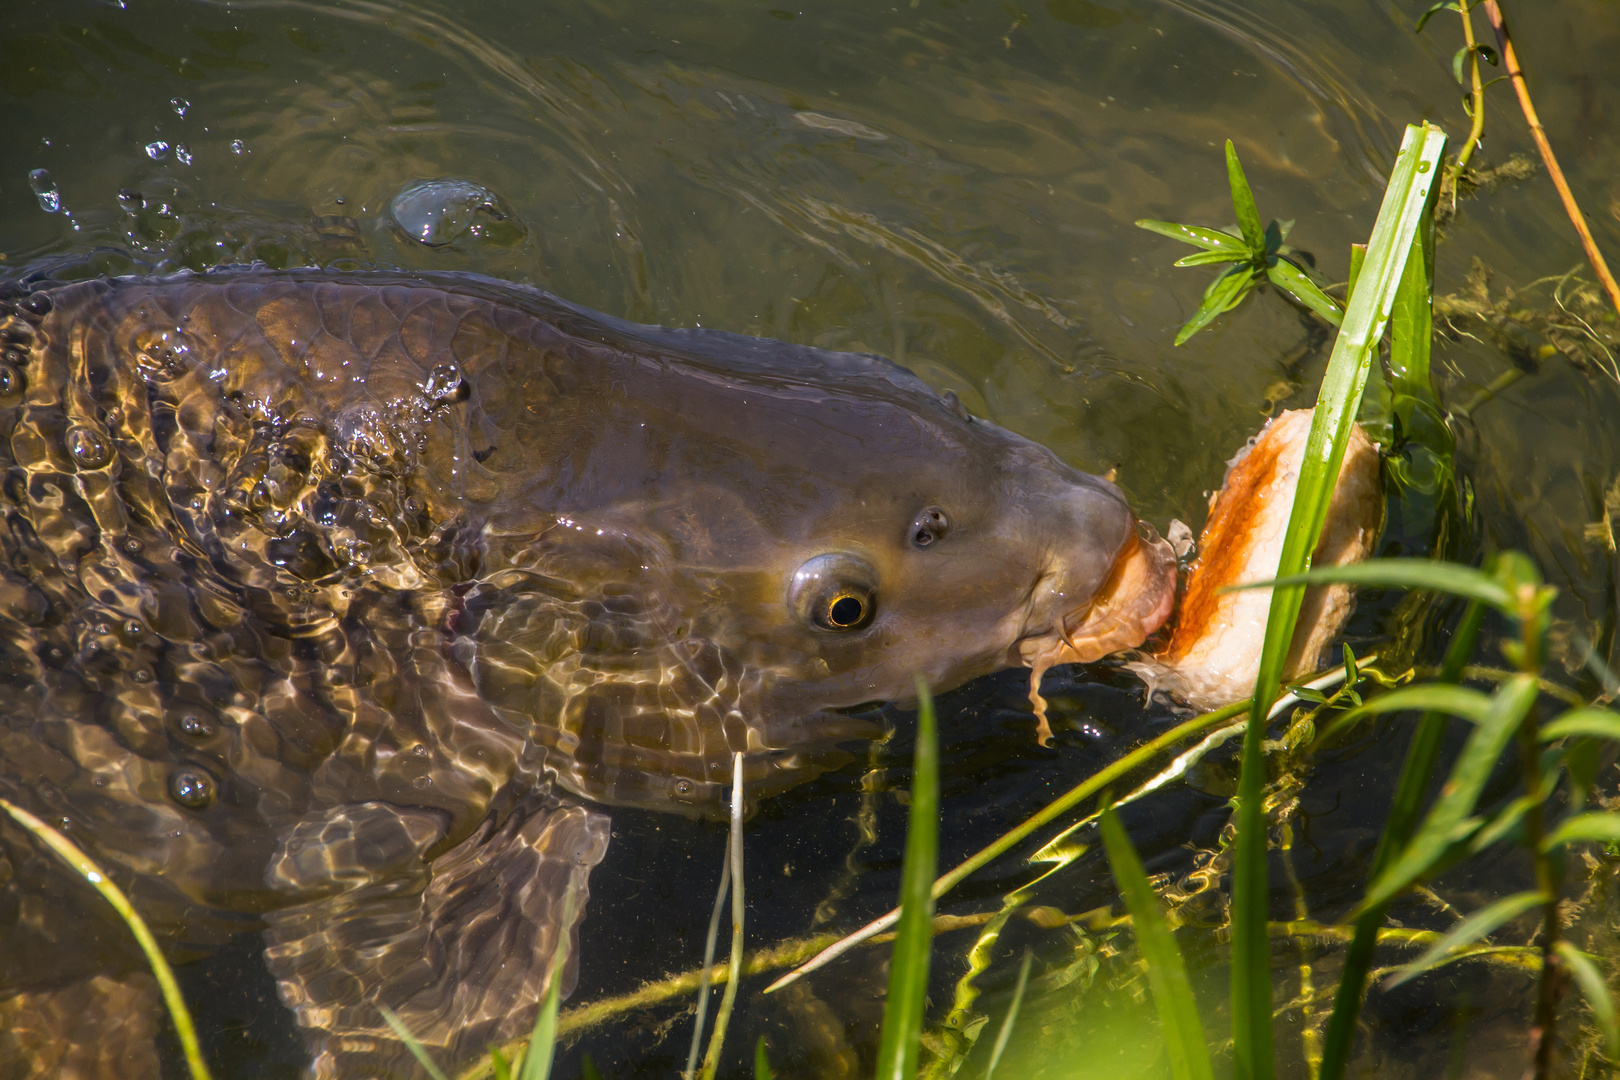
(458, 946)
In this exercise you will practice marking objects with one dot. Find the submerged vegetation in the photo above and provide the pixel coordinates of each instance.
(1555, 814)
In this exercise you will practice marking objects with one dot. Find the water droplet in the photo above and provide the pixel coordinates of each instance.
(92, 877)
(683, 787)
(157, 150)
(142, 676)
(182, 153)
(423, 781)
(180, 106)
(191, 787)
(11, 381)
(133, 627)
(36, 304)
(45, 190)
(88, 447)
(132, 546)
(238, 147)
(439, 212)
(131, 201)
(445, 384)
(198, 727)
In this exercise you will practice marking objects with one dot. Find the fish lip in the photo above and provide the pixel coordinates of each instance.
(1133, 603)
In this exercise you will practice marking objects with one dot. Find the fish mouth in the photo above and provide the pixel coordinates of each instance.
(1132, 604)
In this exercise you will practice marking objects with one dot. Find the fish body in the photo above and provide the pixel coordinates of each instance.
(341, 606)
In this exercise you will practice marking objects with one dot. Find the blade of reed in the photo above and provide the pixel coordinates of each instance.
(1011, 1018)
(913, 942)
(1487, 920)
(1595, 988)
(1183, 1032)
(708, 965)
(711, 1059)
(414, 1045)
(542, 1048)
(1405, 203)
(70, 853)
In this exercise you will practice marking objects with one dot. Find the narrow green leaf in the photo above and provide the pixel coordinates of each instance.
(1358, 255)
(418, 1051)
(1011, 1018)
(542, 1048)
(1223, 294)
(1422, 756)
(1599, 826)
(1179, 1024)
(1248, 215)
(1471, 705)
(1480, 924)
(1411, 324)
(913, 940)
(1197, 235)
(1399, 216)
(1457, 62)
(1306, 693)
(1286, 276)
(1431, 574)
(762, 1063)
(498, 1063)
(1446, 821)
(1204, 258)
(588, 1069)
(1595, 989)
(1423, 20)
(1598, 723)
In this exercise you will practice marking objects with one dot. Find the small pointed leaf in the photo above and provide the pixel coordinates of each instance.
(1248, 215)
(1463, 581)
(1223, 294)
(1197, 235)
(1599, 826)
(1204, 258)
(1286, 276)
(1599, 723)
(1595, 989)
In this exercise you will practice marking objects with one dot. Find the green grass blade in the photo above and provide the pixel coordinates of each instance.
(1197, 235)
(1602, 827)
(588, 1069)
(1286, 276)
(418, 1051)
(1411, 321)
(1435, 697)
(1481, 923)
(1007, 1022)
(1183, 1032)
(1595, 989)
(913, 941)
(542, 1048)
(1398, 219)
(1432, 574)
(86, 867)
(1222, 295)
(1422, 756)
(708, 967)
(498, 1063)
(1598, 723)
(728, 1000)
(762, 1062)
(1453, 810)
(1248, 215)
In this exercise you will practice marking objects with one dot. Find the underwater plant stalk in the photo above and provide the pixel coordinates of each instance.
(70, 853)
(1477, 96)
(711, 1059)
(1515, 74)
(708, 966)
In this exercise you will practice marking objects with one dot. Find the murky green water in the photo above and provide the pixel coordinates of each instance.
(953, 185)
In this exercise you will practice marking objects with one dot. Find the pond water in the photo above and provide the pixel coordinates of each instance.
(951, 184)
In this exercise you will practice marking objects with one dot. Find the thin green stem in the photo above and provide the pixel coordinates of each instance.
(711, 1059)
(1466, 151)
(70, 853)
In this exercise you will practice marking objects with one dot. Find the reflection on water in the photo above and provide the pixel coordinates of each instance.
(948, 183)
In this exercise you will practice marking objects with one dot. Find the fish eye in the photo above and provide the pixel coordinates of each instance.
(930, 525)
(835, 592)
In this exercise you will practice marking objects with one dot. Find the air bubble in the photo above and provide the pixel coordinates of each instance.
(191, 788)
(445, 384)
(180, 105)
(182, 153)
(439, 212)
(88, 447)
(198, 727)
(11, 381)
(157, 150)
(45, 190)
(238, 147)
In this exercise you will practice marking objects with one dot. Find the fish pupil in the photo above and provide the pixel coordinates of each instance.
(846, 611)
